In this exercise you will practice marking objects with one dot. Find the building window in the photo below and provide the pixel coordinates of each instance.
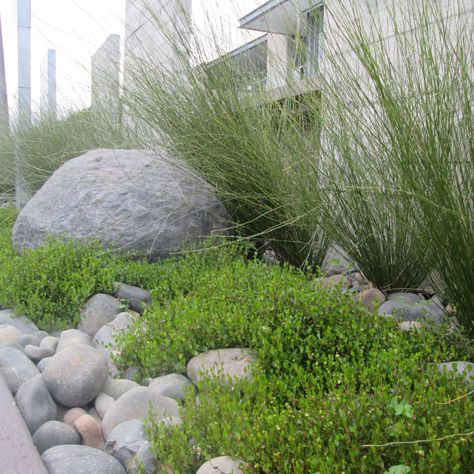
(305, 50)
(314, 40)
(298, 55)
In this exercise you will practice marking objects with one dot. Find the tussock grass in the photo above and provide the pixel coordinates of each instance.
(7, 175)
(252, 149)
(48, 143)
(400, 134)
(389, 175)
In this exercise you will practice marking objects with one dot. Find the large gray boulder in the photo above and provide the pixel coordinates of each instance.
(141, 201)
(405, 310)
(76, 375)
(404, 297)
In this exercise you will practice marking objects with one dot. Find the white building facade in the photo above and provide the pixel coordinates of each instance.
(296, 33)
(152, 29)
(105, 80)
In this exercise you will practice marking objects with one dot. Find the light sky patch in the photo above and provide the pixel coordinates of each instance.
(76, 29)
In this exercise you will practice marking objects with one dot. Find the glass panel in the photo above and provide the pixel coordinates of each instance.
(315, 30)
(298, 52)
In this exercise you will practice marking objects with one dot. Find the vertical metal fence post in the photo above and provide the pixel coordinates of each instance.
(24, 93)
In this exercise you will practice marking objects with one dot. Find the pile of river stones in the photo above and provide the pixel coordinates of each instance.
(410, 309)
(83, 418)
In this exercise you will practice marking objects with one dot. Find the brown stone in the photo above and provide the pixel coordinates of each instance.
(91, 431)
(73, 414)
(371, 299)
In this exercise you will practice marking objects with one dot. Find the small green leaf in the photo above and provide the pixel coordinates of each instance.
(402, 409)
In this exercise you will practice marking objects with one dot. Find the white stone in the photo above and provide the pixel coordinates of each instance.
(9, 334)
(221, 465)
(230, 363)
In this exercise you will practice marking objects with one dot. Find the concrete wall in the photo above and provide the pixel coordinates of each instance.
(151, 28)
(338, 14)
(105, 79)
(48, 104)
(278, 60)
(377, 22)
(454, 11)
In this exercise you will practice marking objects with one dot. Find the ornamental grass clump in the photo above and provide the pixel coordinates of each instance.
(399, 116)
(372, 222)
(258, 153)
(50, 142)
(262, 151)
(7, 160)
